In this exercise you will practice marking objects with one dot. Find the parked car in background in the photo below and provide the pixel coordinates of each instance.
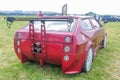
(69, 41)
(110, 18)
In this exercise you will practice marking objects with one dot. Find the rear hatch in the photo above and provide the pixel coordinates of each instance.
(55, 35)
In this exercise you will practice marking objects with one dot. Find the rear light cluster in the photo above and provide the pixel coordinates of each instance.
(67, 47)
(66, 58)
(18, 50)
(67, 40)
(18, 35)
(18, 42)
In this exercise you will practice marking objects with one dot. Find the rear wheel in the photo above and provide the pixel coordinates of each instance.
(88, 61)
(104, 42)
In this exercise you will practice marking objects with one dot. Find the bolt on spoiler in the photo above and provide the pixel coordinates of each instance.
(10, 20)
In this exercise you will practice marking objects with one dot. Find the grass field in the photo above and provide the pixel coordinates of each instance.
(106, 64)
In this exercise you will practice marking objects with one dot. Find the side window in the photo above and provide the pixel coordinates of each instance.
(86, 24)
(95, 23)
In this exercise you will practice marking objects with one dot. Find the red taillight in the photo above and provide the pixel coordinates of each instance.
(18, 50)
(68, 39)
(18, 35)
(66, 58)
(66, 49)
(18, 42)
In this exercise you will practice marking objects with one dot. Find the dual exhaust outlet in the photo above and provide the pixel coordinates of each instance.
(37, 48)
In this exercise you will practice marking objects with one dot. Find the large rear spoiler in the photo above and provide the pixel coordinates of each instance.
(10, 20)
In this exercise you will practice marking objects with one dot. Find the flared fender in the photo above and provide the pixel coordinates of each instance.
(73, 65)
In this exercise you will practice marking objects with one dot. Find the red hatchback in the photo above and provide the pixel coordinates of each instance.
(69, 41)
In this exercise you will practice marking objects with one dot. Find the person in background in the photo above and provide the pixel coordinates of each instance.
(40, 14)
(97, 17)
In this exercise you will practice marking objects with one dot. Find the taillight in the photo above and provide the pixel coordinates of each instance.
(18, 35)
(66, 49)
(66, 58)
(18, 42)
(67, 39)
(18, 50)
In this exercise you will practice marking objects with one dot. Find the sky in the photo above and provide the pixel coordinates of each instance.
(74, 6)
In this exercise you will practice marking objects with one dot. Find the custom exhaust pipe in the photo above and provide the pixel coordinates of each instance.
(37, 48)
(36, 45)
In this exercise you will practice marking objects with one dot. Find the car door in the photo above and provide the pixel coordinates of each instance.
(99, 32)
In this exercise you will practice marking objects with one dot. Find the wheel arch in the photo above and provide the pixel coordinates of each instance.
(89, 44)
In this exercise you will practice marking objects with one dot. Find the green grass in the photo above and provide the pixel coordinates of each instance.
(106, 64)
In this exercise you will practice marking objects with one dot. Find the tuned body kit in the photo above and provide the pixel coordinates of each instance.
(69, 41)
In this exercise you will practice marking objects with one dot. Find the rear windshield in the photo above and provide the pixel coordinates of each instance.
(59, 26)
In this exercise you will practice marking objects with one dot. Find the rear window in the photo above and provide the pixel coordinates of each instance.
(59, 26)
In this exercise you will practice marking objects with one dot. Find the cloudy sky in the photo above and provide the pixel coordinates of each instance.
(74, 6)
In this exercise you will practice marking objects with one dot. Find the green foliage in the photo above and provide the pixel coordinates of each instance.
(106, 65)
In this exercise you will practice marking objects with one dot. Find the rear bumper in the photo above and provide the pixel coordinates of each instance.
(54, 55)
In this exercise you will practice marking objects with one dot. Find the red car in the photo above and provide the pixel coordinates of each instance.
(69, 41)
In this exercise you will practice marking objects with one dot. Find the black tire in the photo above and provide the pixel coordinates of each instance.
(88, 61)
(104, 42)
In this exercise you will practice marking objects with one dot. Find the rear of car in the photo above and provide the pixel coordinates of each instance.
(54, 44)
(58, 40)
